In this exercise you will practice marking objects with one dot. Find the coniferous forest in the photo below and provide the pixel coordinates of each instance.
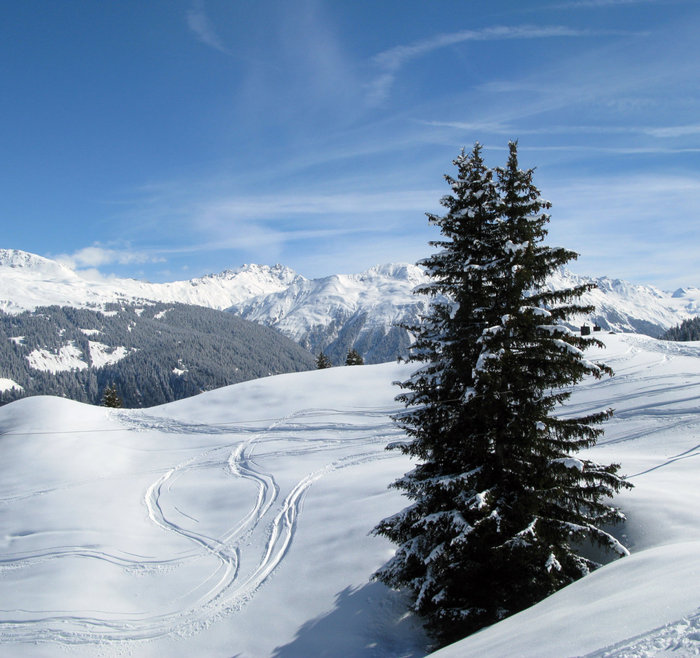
(686, 330)
(166, 352)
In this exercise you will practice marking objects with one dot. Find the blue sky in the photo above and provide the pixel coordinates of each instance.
(169, 139)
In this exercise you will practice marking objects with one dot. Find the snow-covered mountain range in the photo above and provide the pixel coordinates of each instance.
(28, 281)
(333, 313)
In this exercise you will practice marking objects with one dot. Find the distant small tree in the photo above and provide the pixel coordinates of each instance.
(354, 359)
(322, 361)
(110, 397)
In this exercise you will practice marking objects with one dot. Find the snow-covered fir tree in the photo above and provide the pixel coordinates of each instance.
(111, 398)
(322, 361)
(500, 503)
(354, 358)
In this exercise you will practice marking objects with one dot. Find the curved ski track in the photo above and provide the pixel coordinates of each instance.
(263, 535)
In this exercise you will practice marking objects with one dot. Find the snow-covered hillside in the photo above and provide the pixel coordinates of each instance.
(334, 313)
(236, 522)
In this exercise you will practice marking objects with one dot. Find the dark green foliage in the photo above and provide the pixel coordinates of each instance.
(686, 330)
(322, 361)
(110, 397)
(174, 351)
(354, 359)
(499, 504)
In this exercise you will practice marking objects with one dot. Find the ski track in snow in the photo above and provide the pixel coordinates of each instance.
(264, 534)
(643, 393)
(680, 638)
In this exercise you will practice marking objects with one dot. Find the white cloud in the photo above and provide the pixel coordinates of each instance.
(251, 223)
(97, 256)
(199, 23)
(284, 205)
(513, 131)
(297, 228)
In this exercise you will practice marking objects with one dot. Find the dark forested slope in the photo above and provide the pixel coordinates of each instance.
(153, 353)
(686, 330)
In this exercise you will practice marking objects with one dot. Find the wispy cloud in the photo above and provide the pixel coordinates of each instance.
(576, 4)
(673, 131)
(272, 227)
(286, 205)
(201, 25)
(503, 128)
(618, 150)
(392, 60)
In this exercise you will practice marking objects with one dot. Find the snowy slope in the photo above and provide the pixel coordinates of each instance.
(68, 357)
(236, 522)
(8, 385)
(165, 532)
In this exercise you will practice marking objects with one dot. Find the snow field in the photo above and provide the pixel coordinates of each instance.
(152, 532)
(67, 357)
(70, 357)
(237, 522)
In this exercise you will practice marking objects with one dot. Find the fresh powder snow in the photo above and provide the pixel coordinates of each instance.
(237, 522)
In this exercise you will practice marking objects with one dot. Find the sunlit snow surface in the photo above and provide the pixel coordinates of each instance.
(236, 523)
(232, 523)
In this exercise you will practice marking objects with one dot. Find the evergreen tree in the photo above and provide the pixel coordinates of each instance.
(500, 506)
(322, 361)
(354, 359)
(110, 397)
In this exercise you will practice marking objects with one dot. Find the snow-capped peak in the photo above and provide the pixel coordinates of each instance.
(31, 263)
(254, 279)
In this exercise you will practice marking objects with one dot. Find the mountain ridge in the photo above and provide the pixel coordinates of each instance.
(28, 276)
(333, 314)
